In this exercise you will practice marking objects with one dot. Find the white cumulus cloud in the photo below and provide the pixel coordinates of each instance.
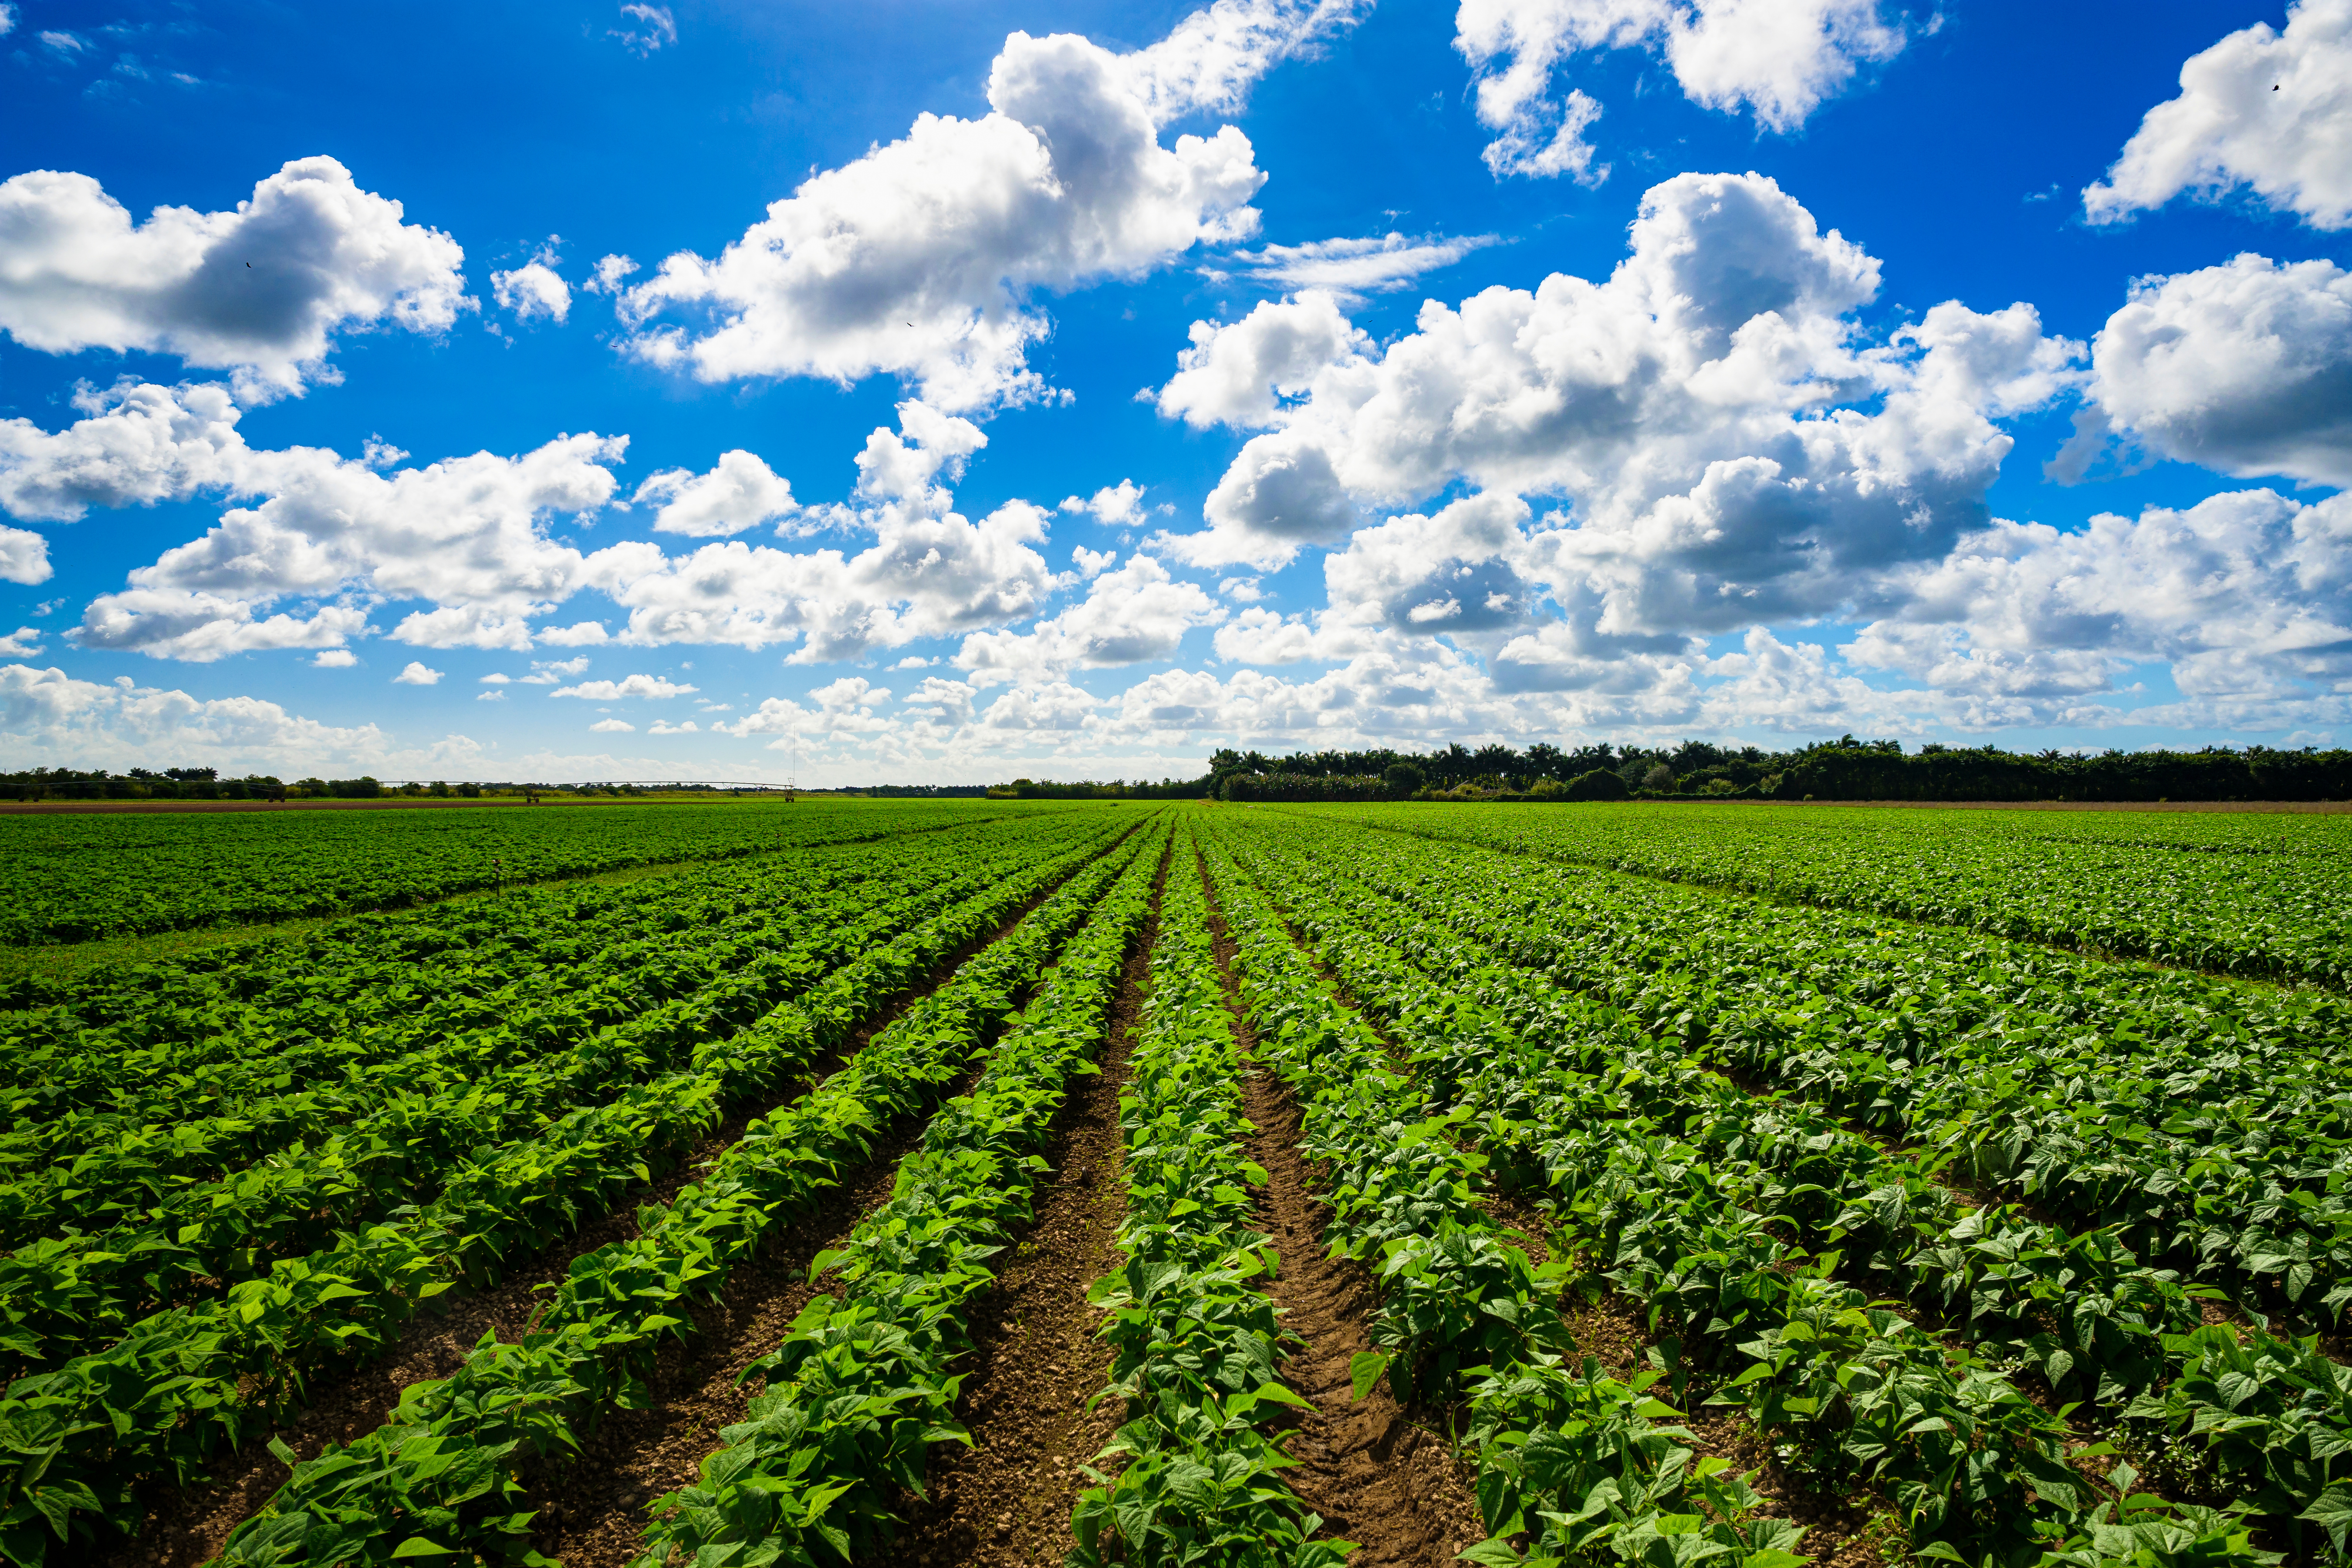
(651, 687)
(1128, 616)
(50, 718)
(2264, 111)
(1776, 59)
(417, 673)
(534, 291)
(260, 292)
(739, 492)
(2245, 368)
(921, 259)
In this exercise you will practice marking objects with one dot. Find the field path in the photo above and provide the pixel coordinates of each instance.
(1376, 1475)
(1035, 1361)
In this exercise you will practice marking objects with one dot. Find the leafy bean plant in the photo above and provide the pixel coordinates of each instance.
(1191, 1477)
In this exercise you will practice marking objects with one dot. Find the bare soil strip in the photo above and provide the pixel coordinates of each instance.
(1374, 1469)
(591, 1510)
(1841, 1532)
(1035, 1361)
(187, 1526)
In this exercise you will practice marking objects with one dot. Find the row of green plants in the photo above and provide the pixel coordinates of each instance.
(862, 1385)
(1572, 1466)
(2215, 1139)
(1851, 1391)
(78, 877)
(438, 1478)
(2106, 884)
(65, 1294)
(137, 1160)
(183, 1384)
(1191, 1476)
(1562, 1083)
(365, 987)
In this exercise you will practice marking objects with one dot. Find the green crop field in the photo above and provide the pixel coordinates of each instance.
(1120, 1182)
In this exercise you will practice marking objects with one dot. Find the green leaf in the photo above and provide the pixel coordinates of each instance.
(1364, 1369)
(417, 1546)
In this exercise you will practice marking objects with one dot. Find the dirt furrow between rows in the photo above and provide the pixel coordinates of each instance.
(1842, 1530)
(187, 1526)
(1035, 1361)
(1377, 1472)
(592, 1511)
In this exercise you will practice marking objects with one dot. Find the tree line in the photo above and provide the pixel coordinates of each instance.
(1844, 769)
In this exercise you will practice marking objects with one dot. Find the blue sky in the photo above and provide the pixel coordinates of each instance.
(1775, 454)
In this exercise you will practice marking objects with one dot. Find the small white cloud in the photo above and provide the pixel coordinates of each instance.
(327, 658)
(1092, 563)
(606, 278)
(1115, 506)
(664, 727)
(535, 289)
(63, 43)
(550, 673)
(646, 29)
(1241, 590)
(646, 686)
(581, 634)
(416, 674)
(7, 18)
(613, 727)
(493, 695)
(494, 678)
(45, 607)
(739, 492)
(915, 661)
(23, 643)
(1352, 267)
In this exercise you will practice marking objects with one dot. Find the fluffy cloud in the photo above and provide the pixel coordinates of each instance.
(1114, 506)
(1701, 412)
(2246, 368)
(614, 726)
(2246, 595)
(930, 572)
(1351, 267)
(1209, 60)
(532, 291)
(136, 445)
(1133, 614)
(25, 642)
(261, 291)
(1242, 373)
(24, 556)
(1777, 59)
(741, 491)
(49, 716)
(467, 534)
(417, 673)
(920, 257)
(2268, 112)
(651, 687)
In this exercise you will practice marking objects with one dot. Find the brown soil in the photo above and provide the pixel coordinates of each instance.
(1376, 1471)
(185, 1526)
(1035, 1361)
(592, 1511)
(1838, 1531)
